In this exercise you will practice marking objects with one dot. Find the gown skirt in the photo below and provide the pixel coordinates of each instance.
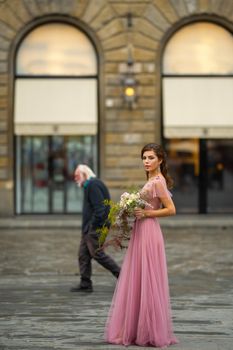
(140, 312)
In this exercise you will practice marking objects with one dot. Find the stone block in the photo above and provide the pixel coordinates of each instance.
(3, 150)
(180, 7)
(113, 91)
(44, 7)
(3, 162)
(3, 89)
(146, 91)
(3, 125)
(117, 55)
(112, 28)
(103, 18)
(154, 15)
(3, 79)
(149, 115)
(112, 79)
(3, 55)
(226, 8)
(134, 173)
(3, 114)
(148, 28)
(75, 8)
(125, 138)
(122, 8)
(192, 5)
(129, 138)
(32, 7)
(143, 55)
(129, 126)
(55, 6)
(23, 15)
(7, 198)
(146, 102)
(111, 67)
(3, 67)
(3, 102)
(204, 5)
(215, 6)
(9, 22)
(3, 176)
(4, 43)
(3, 139)
(92, 10)
(122, 161)
(122, 149)
(143, 41)
(149, 67)
(167, 10)
(115, 41)
(124, 114)
(135, 68)
(145, 79)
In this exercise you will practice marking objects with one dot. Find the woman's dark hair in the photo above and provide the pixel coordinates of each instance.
(160, 153)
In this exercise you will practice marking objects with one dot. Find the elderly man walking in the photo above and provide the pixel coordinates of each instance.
(94, 214)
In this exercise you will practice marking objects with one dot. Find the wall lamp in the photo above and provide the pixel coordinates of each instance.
(129, 91)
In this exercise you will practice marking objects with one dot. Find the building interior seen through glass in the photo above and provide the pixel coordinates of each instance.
(45, 174)
(216, 177)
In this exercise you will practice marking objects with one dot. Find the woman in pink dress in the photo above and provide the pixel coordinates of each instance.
(140, 312)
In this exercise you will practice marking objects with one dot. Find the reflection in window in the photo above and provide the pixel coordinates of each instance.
(199, 48)
(45, 173)
(183, 161)
(220, 176)
(56, 49)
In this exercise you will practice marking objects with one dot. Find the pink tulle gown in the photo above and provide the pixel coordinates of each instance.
(140, 312)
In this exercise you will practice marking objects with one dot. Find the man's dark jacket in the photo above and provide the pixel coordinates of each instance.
(95, 212)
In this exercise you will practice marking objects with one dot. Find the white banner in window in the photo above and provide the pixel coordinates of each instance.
(198, 107)
(63, 106)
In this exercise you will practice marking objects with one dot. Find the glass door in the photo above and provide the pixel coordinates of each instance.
(45, 169)
(220, 176)
(183, 162)
(202, 170)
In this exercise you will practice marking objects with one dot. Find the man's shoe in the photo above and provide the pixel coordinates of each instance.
(88, 289)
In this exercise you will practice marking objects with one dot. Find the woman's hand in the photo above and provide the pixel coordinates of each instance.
(139, 213)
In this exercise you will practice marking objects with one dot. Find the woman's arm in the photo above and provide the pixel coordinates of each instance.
(167, 210)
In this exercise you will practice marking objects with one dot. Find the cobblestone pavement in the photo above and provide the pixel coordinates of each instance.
(38, 267)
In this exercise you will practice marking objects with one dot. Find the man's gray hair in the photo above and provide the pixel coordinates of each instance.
(86, 170)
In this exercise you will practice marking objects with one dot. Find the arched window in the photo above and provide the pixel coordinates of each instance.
(197, 88)
(56, 49)
(200, 48)
(55, 117)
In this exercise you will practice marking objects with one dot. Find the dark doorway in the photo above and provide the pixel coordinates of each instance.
(203, 173)
(44, 172)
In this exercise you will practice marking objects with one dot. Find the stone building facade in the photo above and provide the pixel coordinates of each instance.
(121, 31)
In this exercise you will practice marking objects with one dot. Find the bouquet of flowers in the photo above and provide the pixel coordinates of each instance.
(119, 223)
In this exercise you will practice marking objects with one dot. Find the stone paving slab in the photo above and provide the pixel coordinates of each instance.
(40, 313)
(74, 221)
(37, 311)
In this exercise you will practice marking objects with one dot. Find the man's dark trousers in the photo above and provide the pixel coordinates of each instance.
(89, 250)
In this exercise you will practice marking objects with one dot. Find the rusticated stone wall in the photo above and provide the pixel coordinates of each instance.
(123, 131)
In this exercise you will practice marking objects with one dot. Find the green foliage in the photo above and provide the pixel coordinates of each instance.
(111, 220)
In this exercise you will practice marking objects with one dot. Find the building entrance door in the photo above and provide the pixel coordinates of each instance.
(45, 168)
(202, 170)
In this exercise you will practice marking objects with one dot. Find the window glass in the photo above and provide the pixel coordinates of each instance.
(199, 48)
(45, 172)
(220, 176)
(56, 49)
(183, 162)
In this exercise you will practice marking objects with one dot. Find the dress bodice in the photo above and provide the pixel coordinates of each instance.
(154, 190)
